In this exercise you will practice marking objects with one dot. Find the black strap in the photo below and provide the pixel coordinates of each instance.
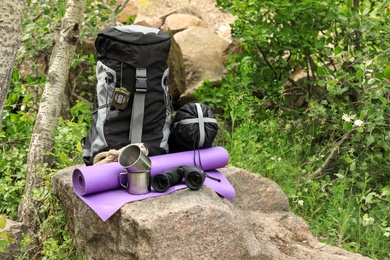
(137, 113)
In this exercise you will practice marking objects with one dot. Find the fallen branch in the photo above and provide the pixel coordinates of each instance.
(277, 76)
(332, 155)
(80, 98)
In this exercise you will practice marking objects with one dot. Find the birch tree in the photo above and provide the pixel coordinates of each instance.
(50, 109)
(11, 18)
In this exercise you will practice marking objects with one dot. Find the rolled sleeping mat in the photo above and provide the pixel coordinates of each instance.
(103, 177)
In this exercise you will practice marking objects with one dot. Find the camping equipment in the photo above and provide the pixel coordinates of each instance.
(131, 103)
(194, 127)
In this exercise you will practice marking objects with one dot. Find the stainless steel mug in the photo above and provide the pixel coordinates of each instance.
(137, 166)
(138, 183)
(133, 159)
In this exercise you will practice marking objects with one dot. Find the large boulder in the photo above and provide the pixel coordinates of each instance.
(179, 22)
(257, 224)
(204, 56)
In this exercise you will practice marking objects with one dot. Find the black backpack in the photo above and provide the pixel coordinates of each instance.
(131, 102)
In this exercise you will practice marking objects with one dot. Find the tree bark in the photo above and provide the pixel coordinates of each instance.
(11, 18)
(49, 110)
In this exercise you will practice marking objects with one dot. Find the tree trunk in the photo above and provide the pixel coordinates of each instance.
(49, 110)
(11, 17)
(358, 34)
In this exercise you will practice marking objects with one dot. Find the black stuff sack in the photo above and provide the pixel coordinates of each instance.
(194, 127)
(131, 103)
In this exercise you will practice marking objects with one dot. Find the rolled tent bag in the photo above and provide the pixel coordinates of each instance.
(194, 127)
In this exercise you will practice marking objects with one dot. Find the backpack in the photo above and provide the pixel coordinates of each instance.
(131, 103)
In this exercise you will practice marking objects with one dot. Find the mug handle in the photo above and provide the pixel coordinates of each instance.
(120, 180)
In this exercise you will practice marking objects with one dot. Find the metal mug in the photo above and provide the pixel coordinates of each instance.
(137, 166)
(138, 183)
(133, 159)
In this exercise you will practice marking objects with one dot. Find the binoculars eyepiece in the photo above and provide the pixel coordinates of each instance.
(193, 178)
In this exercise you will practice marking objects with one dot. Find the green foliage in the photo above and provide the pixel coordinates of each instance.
(5, 238)
(67, 147)
(343, 50)
(18, 121)
(285, 127)
(53, 238)
(39, 32)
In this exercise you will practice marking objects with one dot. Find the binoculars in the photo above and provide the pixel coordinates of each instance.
(193, 178)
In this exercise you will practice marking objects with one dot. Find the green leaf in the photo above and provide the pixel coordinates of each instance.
(347, 126)
(92, 58)
(79, 147)
(3, 221)
(64, 157)
(387, 72)
(338, 50)
(370, 140)
(349, 4)
(321, 71)
(352, 166)
(359, 74)
(343, 18)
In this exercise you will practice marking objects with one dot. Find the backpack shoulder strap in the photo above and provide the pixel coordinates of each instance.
(137, 114)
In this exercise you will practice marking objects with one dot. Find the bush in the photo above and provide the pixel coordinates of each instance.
(306, 104)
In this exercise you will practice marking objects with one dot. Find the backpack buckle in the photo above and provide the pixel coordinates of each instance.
(141, 83)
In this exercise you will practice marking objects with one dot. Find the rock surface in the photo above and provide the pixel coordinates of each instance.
(257, 224)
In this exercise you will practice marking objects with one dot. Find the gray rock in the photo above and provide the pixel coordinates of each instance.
(257, 224)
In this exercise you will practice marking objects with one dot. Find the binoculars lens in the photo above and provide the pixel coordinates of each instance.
(194, 180)
(161, 183)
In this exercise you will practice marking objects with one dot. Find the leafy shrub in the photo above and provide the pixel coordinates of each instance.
(322, 136)
(17, 126)
(40, 29)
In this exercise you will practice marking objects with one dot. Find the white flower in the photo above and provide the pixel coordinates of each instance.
(368, 220)
(346, 118)
(358, 122)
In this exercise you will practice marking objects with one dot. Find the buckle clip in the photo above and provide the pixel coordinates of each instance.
(141, 81)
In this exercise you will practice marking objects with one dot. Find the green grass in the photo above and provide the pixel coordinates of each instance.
(345, 207)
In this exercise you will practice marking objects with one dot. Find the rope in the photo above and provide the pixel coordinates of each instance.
(113, 155)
